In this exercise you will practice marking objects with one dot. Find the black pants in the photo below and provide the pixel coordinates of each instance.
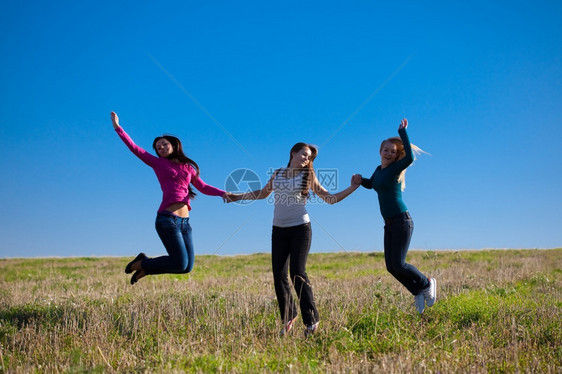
(289, 249)
(397, 234)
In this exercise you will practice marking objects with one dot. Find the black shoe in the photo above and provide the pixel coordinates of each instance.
(134, 277)
(128, 268)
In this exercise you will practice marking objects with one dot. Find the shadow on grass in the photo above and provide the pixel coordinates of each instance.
(22, 315)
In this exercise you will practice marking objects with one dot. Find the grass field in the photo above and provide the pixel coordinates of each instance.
(498, 311)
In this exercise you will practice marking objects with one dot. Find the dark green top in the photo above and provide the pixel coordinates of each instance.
(385, 181)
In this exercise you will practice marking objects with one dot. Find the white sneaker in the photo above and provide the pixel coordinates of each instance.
(288, 327)
(311, 329)
(419, 300)
(430, 293)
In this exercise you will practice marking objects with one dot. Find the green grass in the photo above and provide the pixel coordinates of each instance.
(497, 311)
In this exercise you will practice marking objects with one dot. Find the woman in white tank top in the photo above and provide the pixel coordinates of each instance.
(292, 234)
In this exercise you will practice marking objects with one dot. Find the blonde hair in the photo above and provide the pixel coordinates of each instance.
(400, 154)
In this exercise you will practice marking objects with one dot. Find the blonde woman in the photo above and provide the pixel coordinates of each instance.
(388, 181)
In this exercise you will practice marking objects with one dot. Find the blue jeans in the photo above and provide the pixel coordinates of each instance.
(397, 234)
(289, 249)
(175, 233)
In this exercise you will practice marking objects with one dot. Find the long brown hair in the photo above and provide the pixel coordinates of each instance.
(308, 171)
(178, 155)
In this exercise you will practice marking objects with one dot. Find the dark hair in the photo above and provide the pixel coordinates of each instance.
(177, 155)
(309, 169)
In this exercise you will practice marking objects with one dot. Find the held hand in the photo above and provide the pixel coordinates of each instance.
(229, 197)
(403, 124)
(115, 120)
(356, 179)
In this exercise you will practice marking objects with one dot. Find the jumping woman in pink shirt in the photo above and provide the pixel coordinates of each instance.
(175, 172)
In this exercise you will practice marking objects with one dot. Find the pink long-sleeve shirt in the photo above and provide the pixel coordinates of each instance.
(174, 178)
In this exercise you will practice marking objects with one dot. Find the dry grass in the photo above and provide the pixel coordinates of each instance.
(498, 311)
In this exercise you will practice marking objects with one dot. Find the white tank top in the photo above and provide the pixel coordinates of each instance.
(290, 204)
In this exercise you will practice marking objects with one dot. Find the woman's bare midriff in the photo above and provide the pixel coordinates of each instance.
(179, 209)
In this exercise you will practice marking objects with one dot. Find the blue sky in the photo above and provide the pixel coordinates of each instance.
(241, 82)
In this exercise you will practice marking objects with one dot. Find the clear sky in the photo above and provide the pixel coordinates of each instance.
(241, 81)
